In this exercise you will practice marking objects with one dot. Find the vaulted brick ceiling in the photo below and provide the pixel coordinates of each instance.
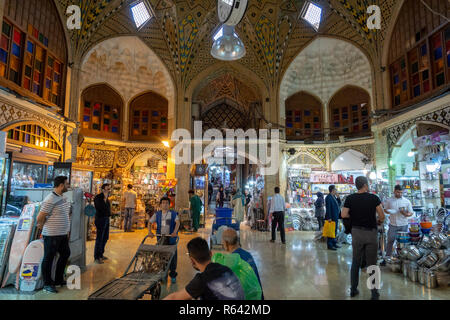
(181, 32)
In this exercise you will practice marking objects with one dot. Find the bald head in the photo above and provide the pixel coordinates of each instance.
(230, 239)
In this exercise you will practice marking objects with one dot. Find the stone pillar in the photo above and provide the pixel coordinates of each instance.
(73, 107)
(182, 173)
(283, 172)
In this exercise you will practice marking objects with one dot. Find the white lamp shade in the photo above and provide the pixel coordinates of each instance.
(228, 47)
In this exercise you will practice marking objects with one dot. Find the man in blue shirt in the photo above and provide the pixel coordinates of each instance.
(230, 242)
(332, 214)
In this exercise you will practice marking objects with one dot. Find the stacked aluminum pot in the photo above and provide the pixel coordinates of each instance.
(427, 263)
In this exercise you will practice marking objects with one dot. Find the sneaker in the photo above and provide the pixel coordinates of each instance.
(50, 289)
(98, 261)
(354, 293)
(61, 284)
(338, 246)
(375, 295)
(105, 258)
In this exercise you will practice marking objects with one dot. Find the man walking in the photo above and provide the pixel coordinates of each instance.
(103, 212)
(196, 208)
(277, 207)
(332, 214)
(54, 219)
(129, 203)
(398, 221)
(230, 241)
(167, 225)
(362, 209)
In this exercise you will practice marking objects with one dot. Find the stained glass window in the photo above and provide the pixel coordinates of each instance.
(303, 117)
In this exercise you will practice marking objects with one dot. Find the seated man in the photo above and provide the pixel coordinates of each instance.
(214, 282)
(230, 242)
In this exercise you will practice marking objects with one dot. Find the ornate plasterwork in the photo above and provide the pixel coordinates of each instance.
(226, 86)
(365, 149)
(104, 156)
(318, 154)
(10, 115)
(323, 68)
(130, 67)
(441, 116)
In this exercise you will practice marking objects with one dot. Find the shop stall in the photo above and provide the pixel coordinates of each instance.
(80, 176)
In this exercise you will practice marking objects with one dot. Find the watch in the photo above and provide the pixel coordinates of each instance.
(224, 9)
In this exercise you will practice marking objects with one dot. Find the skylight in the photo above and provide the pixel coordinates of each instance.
(141, 14)
(313, 14)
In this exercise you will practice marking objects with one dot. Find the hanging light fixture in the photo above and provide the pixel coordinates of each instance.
(227, 45)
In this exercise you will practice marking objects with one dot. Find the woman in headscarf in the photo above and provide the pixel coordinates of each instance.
(220, 197)
(238, 205)
(320, 209)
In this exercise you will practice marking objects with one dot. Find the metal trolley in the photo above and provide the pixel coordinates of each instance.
(144, 275)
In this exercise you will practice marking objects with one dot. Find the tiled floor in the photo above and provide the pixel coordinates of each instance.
(303, 269)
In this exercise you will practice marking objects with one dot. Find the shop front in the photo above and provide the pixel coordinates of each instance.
(28, 169)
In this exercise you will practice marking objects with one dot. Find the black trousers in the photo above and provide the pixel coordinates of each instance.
(102, 225)
(173, 264)
(278, 220)
(53, 245)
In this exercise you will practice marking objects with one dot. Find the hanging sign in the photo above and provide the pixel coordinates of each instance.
(431, 140)
(324, 178)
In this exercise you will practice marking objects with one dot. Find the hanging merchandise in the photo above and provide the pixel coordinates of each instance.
(31, 268)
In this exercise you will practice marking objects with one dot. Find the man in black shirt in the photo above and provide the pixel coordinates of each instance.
(214, 282)
(362, 209)
(103, 212)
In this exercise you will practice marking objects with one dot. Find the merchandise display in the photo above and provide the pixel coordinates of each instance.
(7, 228)
(4, 178)
(426, 261)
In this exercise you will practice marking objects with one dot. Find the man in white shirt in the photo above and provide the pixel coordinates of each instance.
(129, 199)
(277, 206)
(398, 220)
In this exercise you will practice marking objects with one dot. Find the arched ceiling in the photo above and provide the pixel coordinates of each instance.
(226, 86)
(181, 32)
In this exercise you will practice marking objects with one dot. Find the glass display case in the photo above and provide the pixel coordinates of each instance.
(82, 179)
(26, 175)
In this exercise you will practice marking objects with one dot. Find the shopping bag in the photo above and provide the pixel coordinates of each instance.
(329, 229)
(244, 272)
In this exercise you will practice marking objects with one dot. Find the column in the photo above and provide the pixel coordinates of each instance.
(182, 173)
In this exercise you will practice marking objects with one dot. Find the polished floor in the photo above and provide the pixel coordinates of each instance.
(301, 270)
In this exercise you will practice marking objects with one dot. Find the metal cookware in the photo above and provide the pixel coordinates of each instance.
(394, 264)
(435, 241)
(443, 265)
(441, 253)
(404, 253)
(405, 266)
(421, 275)
(430, 279)
(423, 251)
(426, 242)
(412, 272)
(442, 236)
(414, 253)
(431, 260)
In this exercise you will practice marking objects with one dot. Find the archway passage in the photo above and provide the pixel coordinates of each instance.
(224, 115)
(349, 113)
(350, 160)
(101, 112)
(304, 118)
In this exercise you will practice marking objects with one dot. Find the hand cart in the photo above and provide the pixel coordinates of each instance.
(144, 275)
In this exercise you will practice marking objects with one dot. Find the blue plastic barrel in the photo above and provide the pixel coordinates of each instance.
(222, 213)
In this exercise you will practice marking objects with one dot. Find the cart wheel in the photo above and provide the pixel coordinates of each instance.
(156, 292)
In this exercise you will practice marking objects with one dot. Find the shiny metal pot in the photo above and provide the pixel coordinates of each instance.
(405, 266)
(414, 253)
(412, 272)
(430, 279)
(421, 275)
(431, 260)
(426, 242)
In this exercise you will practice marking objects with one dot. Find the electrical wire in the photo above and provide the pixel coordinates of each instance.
(434, 12)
